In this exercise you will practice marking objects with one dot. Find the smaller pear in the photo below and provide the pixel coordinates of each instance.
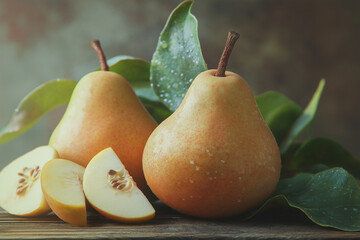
(103, 112)
(61, 182)
(20, 183)
(112, 191)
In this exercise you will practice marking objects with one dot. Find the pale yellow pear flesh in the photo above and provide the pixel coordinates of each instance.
(128, 204)
(29, 201)
(61, 182)
(103, 112)
(214, 156)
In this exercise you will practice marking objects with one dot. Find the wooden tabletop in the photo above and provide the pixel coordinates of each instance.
(170, 225)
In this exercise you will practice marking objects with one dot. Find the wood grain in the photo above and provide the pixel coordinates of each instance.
(169, 225)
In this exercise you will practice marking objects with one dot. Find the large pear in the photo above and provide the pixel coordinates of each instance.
(104, 112)
(214, 156)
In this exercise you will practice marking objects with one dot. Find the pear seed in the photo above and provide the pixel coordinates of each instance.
(22, 180)
(121, 186)
(36, 174)
(115, 180)
(21, 189)
(112, 172)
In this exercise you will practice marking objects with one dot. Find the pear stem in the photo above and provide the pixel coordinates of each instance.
(230, 43)
(95, 45)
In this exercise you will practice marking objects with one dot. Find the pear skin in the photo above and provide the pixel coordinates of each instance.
(214, 156)
(103, 112)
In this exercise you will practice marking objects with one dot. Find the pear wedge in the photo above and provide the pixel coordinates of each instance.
(112, 191)
(61, 182)
(20, 183)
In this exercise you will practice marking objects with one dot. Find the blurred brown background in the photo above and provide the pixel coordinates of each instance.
(286, 46)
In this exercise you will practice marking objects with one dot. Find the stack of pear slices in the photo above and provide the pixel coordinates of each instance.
(38, 182)
(75, 167)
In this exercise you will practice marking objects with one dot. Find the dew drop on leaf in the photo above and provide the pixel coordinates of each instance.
(164, 45)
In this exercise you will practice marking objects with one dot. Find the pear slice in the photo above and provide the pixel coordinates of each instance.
(61, 182)
(20, 183)
(112, 192)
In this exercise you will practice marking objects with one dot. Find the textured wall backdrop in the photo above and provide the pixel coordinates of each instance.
(286, 46)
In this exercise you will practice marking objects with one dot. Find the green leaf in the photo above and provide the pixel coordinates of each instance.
(41, 100)
(147, 93)
(304, 120)
(279, 113)
(323, 151)
(157, 109)
(177, 59)
(136, 71)
(330, 198)
(118, 58)
(287, 159)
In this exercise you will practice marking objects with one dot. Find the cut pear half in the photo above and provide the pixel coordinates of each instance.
(61, 182)
(112, 192)
(20, 183)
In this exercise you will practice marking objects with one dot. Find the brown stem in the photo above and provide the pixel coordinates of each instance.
(95, 44)
(231, 40)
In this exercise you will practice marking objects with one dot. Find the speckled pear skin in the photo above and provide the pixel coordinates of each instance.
(103, 112)
(214, 156)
